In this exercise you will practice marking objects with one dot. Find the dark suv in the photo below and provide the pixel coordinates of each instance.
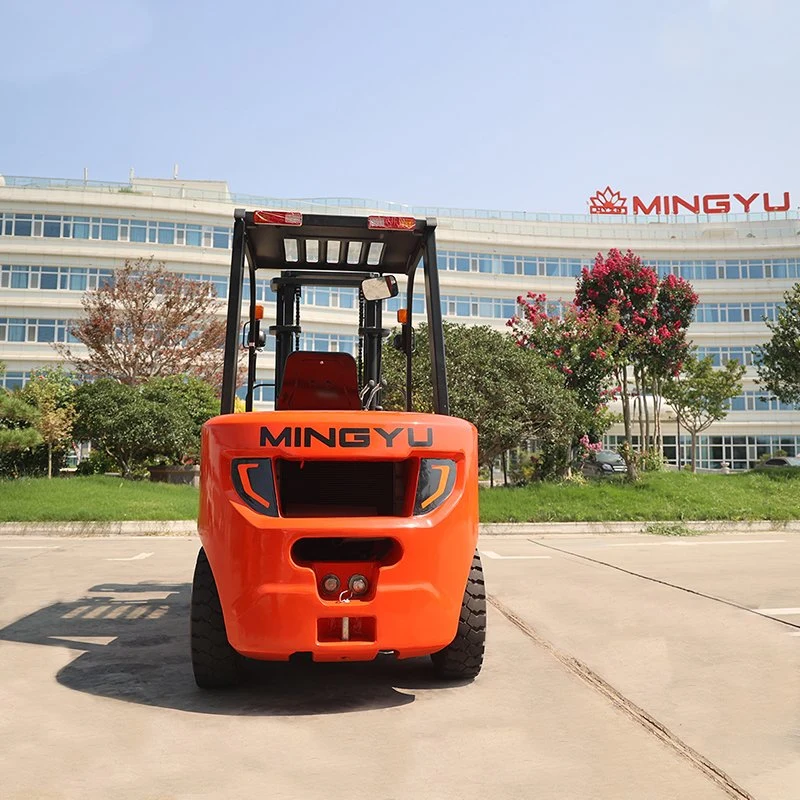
(780, 461)
(604, 463)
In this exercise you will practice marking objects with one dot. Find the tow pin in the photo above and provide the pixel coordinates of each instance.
(344, 597)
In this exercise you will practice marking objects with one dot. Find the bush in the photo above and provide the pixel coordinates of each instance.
(98, 463)
(524, 469)
(192, 401)
(159, 421)
(30, 462)
(553, 462)
(650, 460)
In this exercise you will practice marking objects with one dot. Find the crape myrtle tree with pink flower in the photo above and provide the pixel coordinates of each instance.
(666, 348)
(578, 345)
(622, 336)
(653, 317)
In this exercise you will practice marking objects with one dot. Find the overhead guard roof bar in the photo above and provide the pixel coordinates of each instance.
(400, 252)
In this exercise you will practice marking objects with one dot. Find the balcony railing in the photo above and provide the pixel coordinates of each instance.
(642, 227)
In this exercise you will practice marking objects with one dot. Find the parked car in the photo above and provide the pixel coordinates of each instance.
(780, 461)
(604, 463)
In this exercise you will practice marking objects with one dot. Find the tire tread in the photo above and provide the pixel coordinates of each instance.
(214, 662)
(462, 659)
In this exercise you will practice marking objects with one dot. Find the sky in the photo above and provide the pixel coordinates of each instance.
(514, 104)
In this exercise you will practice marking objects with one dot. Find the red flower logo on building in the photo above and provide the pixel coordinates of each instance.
(608, 201)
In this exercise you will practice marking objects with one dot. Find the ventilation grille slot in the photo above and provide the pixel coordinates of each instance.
(342, 488)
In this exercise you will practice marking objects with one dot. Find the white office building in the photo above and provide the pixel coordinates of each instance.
(59, 238)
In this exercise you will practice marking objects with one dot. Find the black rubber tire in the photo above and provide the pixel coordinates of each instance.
(215, 663)
(462, 659)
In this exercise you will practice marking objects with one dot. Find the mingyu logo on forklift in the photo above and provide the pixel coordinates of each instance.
(303, 436)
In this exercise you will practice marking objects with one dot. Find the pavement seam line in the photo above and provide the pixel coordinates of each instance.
(714, 773)
(695, 592)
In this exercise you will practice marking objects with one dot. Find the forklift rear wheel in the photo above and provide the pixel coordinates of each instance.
(463, 657)
(215, 663)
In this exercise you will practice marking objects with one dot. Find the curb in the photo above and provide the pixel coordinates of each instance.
(180, 527)
(631, 528)
(188, 527)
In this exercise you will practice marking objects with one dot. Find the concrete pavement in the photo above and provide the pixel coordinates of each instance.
(98, 697)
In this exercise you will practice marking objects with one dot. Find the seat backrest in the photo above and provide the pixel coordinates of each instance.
(324, 381)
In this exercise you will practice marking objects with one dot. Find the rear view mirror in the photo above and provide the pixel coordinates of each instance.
(379, 288)
(247, 338)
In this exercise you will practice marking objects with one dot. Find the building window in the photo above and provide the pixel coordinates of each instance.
(111, 229)
(35, 331)
(570, 267)
(735, 312)
(740, 452)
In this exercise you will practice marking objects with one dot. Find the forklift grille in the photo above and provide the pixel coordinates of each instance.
(342, 488)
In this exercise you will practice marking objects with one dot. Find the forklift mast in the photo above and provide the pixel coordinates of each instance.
(287, 288)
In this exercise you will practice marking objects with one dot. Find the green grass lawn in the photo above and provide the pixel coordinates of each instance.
(96, 497)
(658, 496)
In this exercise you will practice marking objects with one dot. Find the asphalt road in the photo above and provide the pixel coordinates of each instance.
(617, 667)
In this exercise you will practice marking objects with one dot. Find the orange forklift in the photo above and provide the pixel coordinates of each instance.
(330, 527)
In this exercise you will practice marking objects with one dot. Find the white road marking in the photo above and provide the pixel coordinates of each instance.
(29, 547)
(694, 544)
(99, 640)
(140, 557)
(108, 594)
(492, 554)
(777, 612)
(796, 633)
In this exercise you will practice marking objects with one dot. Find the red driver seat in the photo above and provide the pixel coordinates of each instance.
(319, 381)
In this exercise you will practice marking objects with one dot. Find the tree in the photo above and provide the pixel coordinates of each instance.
(592, 342)
(16, 423)
(51, 392)
(651, 319)
(16, 418)
(779, 358)
(149, 322)
(508, 393)
(192, 399)
(160, 419)
(700, 394)
(623, 335)
(667, 346)
(579, 345)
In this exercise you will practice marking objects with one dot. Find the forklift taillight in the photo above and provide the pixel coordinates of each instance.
(253, 481)
(392, 223)
(358, 584)
(437, 477)
(277, 218)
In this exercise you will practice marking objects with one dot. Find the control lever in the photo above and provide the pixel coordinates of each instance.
(372, 395)
(363, 393)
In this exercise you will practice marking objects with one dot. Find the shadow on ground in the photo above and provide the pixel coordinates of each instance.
(135, 647)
